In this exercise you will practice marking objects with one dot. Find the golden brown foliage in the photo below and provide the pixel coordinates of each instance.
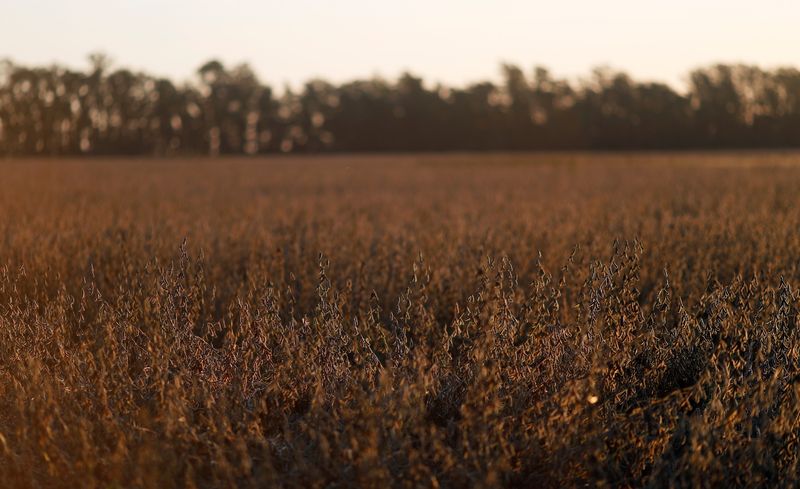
(439, 321)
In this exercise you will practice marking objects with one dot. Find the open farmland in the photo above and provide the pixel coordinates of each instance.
(548, 320)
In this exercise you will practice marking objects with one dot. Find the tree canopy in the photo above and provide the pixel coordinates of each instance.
(227, 110)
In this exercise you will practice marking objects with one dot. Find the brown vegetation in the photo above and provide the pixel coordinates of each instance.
(453, 321)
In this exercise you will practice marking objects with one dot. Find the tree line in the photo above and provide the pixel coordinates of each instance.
(59, 111)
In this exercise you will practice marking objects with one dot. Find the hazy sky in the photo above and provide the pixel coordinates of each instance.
(452, 41)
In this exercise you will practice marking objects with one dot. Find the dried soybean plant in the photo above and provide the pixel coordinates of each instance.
(430, 321)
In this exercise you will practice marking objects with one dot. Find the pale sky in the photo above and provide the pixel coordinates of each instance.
(449, 41)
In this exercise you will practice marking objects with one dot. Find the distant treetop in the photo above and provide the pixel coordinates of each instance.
(58, 111)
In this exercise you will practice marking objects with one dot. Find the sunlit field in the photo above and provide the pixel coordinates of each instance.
(457, 320)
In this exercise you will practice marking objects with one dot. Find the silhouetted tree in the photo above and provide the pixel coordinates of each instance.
(58, 111)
